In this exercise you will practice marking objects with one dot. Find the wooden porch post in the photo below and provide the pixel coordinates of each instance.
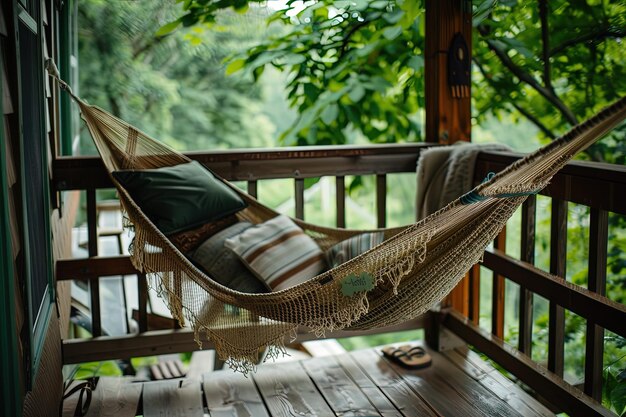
(448, 118)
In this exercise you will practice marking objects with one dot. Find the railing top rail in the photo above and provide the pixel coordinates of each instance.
(593, 184)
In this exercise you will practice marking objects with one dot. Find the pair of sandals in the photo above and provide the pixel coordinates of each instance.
(407, 356)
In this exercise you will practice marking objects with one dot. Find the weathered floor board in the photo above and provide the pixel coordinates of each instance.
(452, 391)
(361, 383)
(232, 395)
(375, 395)
(115, 397)
(497, 383)
(340, 392)
(392, 384)
(172, 398)
(288, 391)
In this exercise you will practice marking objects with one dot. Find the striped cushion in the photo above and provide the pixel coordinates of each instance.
(278, 252)
(350, 248)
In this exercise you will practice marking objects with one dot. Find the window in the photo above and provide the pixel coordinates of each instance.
(34, 178)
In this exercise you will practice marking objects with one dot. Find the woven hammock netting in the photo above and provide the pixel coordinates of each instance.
(413, 269)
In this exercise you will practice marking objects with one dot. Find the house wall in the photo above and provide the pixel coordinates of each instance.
(40, 381)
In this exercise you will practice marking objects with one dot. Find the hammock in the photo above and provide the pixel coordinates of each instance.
(414, 268)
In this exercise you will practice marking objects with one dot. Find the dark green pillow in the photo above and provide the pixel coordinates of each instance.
(180, 197)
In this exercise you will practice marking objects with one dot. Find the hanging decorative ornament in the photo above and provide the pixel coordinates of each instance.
(459, 67)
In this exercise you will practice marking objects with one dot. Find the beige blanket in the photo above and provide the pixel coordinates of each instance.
(447, 172)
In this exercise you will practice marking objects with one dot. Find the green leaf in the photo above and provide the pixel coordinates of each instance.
(309, 182)
(392, 32)
(330, 114)
(310, 91)
(416, 62)
(482, 11)
(189, 19)
(367, 49)
(335, 86)
(357, 93)
(618, 398)
(412, 9)
(355, 184)
(235, 66)
(292, 59)
(394, 16)
(379, 4)
(167, 28)
(241, 6)
(519, 46)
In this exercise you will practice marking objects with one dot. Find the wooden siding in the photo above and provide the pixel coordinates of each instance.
(11, 144)
(44, 398)
(41, 393)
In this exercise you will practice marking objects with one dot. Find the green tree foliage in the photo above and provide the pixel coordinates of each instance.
(358, 64)
(173, 86)
(324, 43)
(554, 63)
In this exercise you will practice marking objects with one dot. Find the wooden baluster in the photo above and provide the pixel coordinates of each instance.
(252, 188)
(594, 349)
(340, 192)
(558, 253)
(497, 294)
(299, 184)
(92, 247)
(142, 292)
(529, 213)
(381, 200)
(474, 294)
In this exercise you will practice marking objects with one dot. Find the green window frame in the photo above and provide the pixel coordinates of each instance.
(36, 236)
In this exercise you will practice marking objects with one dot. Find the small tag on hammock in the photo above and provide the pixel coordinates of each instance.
(354, 283)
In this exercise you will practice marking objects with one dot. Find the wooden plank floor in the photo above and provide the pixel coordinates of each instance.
(360, 383)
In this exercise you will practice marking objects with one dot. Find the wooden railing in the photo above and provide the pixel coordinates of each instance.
(601, 187)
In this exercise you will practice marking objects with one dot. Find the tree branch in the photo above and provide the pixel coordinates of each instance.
(531, 81)
(352, 31)
(154, 41)
(596, 36)
(534, 120)
(545, 39)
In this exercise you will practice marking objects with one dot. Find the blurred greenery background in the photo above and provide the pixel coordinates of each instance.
(204, 75)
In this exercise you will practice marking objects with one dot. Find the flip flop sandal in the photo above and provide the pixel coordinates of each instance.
(84, 388)
(410, 357)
